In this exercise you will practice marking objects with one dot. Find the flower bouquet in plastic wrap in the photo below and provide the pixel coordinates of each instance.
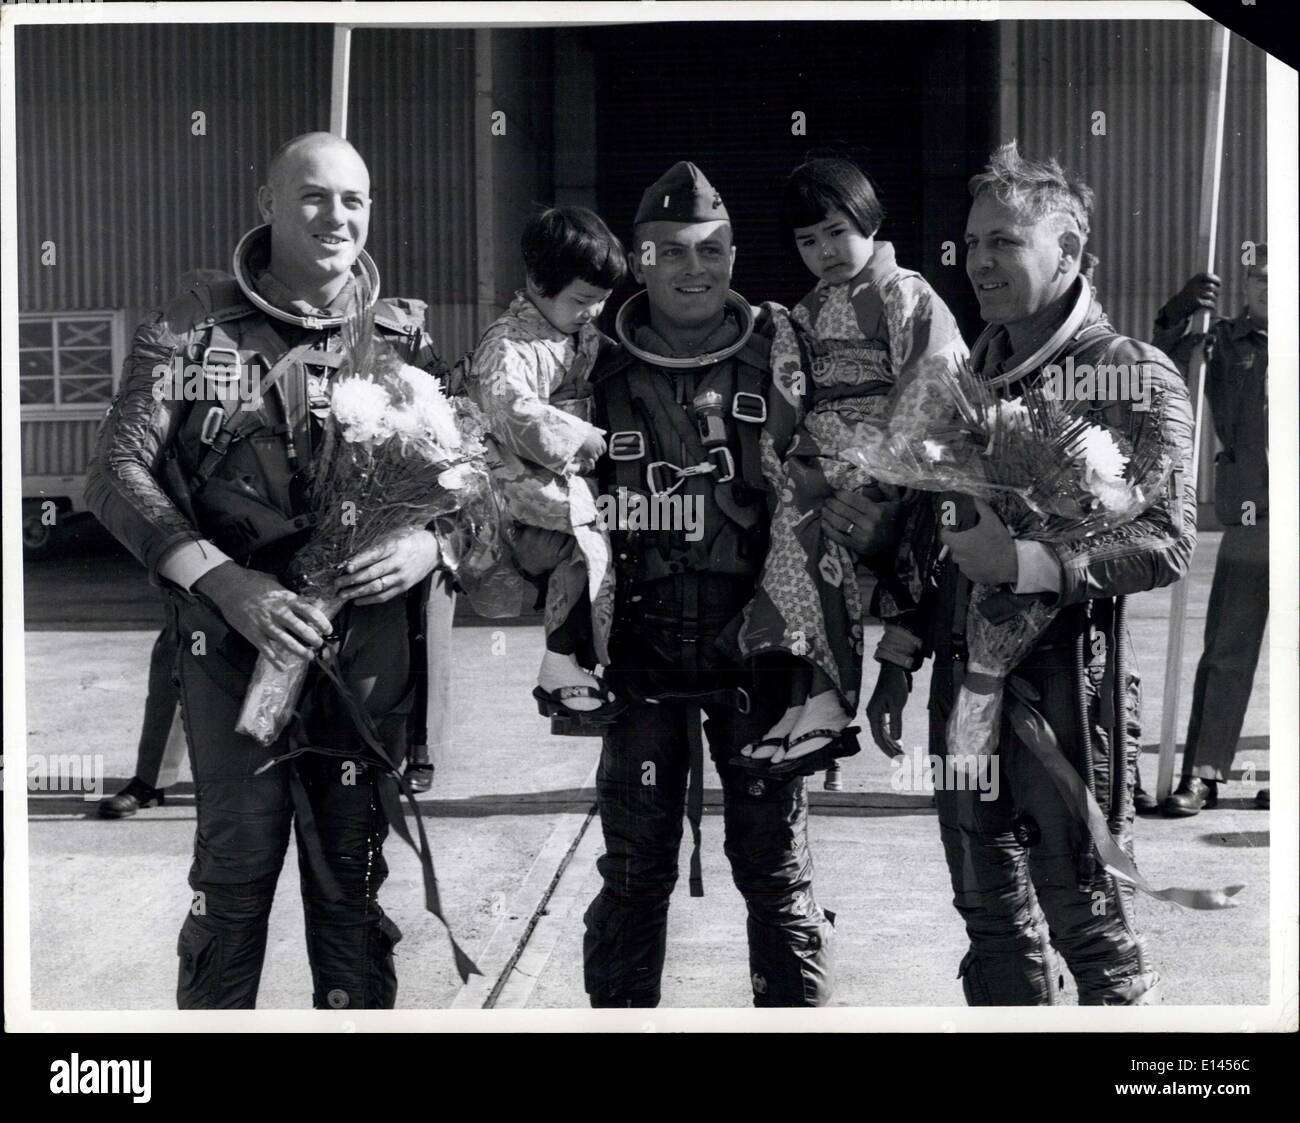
(395, 455)
(1049, 469)
(477, 540)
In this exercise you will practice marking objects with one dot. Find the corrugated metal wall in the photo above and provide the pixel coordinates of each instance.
(57, 447)
(412, 117)
(519, 83)
(110, 170)
(1150, 78)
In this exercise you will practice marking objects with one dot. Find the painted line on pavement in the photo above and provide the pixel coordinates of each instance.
(516, 986)
(510, 937)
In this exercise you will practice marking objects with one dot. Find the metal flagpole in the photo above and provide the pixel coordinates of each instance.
(1207, 231)
(339, 79)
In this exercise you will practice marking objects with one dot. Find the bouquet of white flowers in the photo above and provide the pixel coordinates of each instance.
(395, 455)
(1049, 472)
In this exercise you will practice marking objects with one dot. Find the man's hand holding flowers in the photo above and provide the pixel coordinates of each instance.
(986, 553)
(282, 625)
(390, 568)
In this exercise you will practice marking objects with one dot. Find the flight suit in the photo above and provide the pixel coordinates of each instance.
(677, 599)
(1024, 875)
(171, 470)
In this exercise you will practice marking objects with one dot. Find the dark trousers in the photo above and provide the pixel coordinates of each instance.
(1011, 893)
(641, 789)
(244, 819)
(159, 708)
(1234, 633)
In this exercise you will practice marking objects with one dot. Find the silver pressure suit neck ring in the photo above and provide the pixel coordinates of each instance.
(735, 301)
(1049, 350)
(240, 267)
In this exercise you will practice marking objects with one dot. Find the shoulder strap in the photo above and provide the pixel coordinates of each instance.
(629, 441)
(1100, 343)
(1097, 332)
(757, 353)
(218, 297)
(259, 337)
(751, 380)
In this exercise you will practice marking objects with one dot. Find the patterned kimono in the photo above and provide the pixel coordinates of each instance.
(531, 382)
(868, 335)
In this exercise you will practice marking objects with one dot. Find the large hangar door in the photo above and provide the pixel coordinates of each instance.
(914, 101)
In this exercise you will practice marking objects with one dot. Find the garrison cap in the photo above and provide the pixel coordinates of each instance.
(681, 194)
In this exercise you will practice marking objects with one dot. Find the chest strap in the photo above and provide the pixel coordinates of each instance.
(716, 458)
(637, 403)
(238, 422)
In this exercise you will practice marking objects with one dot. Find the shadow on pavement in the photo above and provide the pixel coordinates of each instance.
(94, 584)
(558, 802)
(1237, 839)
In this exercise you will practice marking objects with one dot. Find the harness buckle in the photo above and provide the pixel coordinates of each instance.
(212, 425)
(704, 468)
(727, 463)
(222, 365)
(749, 407)
(652, 479)
(626, 444)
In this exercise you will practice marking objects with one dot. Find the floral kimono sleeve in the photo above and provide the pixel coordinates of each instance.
(509, 382)
(921, 328)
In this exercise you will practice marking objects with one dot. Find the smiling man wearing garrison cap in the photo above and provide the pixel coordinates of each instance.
(701, 387)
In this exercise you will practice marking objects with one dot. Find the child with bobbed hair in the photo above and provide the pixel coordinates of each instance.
(529, 376)
(870, 325)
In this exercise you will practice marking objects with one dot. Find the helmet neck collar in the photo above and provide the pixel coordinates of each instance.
(257, 242)
(1050, 349)
(631, 308)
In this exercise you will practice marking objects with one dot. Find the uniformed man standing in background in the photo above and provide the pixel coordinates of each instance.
(1236, 389)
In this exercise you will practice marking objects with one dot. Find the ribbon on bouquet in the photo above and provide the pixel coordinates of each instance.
(390, 786)
(1037, 736)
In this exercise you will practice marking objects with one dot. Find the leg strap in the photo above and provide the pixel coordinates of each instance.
(695, 794)
(694, 727)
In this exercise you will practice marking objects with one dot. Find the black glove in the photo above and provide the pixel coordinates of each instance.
(1201, 291)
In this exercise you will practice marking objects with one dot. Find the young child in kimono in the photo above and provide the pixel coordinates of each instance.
(870, 323)
(529, 376)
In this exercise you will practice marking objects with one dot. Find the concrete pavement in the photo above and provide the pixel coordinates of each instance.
(511, 822)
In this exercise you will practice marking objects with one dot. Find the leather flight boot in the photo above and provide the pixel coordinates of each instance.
(1192, 795)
